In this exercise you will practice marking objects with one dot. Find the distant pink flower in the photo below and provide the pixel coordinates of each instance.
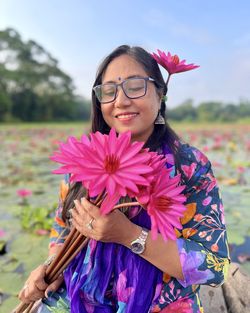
(2, 233)
(105, 163)
(172, 63)
(24, 193)
(241, 169)
(165, 206)
(205, 148)
(42, 232)
(217, 164)
(248, 145)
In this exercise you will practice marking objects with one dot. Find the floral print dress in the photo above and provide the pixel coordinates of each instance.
(202, 243)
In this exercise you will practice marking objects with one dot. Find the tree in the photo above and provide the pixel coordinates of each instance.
(209, 111)
(184, 111)
(31, 83)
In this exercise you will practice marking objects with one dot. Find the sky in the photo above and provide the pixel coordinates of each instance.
(214, 34)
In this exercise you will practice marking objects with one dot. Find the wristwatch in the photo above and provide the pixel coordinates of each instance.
(138, 245)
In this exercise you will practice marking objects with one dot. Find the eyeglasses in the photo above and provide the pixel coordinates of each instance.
(133, 88)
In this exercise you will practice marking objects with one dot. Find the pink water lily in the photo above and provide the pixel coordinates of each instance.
(105, 164)
(172, 63)
(165, 205)
(24, 193)
(2, 233)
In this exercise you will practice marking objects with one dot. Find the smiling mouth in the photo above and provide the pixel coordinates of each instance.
(126, 116)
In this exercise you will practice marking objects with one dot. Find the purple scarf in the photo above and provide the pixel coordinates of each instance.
(109, 278)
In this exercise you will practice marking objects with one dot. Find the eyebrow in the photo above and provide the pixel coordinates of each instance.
(131, 76)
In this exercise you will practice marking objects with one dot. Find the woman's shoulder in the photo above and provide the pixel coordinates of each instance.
(189, 154)
(194, 165)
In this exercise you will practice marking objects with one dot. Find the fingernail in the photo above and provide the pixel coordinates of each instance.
(49, 294)
(83, 198)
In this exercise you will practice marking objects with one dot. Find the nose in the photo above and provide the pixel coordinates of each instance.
(121, 99)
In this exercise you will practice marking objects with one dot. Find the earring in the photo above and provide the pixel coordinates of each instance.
(159, 119)
(164, 98)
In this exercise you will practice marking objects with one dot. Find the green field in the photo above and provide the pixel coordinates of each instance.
(24, 223)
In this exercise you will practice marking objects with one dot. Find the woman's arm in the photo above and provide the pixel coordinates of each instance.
(164, 255)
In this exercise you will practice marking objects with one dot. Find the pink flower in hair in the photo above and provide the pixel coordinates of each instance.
(172, 63)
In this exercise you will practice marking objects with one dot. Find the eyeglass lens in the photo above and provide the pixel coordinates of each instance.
(133, 88)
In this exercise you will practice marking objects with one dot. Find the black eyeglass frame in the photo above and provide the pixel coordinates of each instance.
(146, 79)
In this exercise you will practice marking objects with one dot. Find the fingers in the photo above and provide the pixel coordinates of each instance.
(30, 293)
(92, 210)
(85, 213)
(38, 279)
(35, 285)
(54, 286)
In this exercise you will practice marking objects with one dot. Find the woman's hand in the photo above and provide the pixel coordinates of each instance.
(113, 227)
(36, 288)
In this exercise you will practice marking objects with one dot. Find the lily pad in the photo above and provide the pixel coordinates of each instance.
(9, 304)
(11, 283)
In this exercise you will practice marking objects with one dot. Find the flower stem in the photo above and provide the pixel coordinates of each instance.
(168, 80)
(118, 206)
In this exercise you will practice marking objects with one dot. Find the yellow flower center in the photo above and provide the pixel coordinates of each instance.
(111, 164)
(175, 59)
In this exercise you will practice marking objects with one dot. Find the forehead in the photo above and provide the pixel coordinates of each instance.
(123, 67)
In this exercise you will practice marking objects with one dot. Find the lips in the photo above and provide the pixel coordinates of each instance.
(126, 115)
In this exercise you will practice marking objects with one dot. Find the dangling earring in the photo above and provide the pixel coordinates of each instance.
(164, 98)
(159, 119)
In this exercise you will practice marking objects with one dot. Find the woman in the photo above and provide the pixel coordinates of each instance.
(113, 274)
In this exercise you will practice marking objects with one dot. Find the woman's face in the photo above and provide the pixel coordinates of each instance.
(136, 115)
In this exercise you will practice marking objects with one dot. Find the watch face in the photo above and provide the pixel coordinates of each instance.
(137, 247)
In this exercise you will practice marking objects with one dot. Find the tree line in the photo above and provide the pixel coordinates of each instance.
(210, 111)
(34, 88)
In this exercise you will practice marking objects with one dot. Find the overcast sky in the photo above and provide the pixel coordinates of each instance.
(214, 34)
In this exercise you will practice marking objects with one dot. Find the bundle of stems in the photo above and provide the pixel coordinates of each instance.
(73, 244)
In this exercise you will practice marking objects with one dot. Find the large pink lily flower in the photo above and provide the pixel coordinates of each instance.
(172, 63)
(165, 206)
(105, 164)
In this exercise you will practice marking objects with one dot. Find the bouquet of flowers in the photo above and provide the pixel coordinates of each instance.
(111, 167)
